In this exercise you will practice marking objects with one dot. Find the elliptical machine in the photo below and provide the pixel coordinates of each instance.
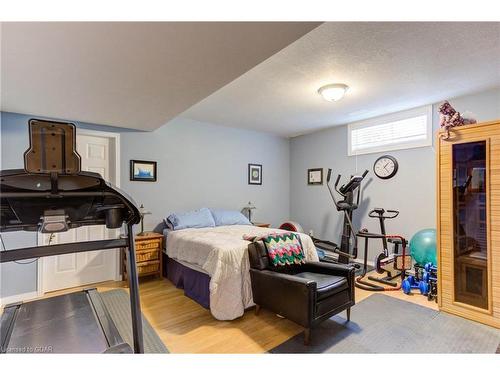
(347, 204)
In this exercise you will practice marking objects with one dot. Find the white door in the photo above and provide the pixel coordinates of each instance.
(71, 270)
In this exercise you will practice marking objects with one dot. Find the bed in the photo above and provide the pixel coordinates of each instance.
(211, 264)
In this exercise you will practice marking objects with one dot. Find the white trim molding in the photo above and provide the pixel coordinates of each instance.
(115, 138)
(18, 298)
(41, 238)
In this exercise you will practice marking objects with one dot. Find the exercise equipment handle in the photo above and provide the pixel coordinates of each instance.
(376, 212)
(337, 184)
(337, 181)
(328, 177)
(394, 213)
(379, 213)
(364, 173)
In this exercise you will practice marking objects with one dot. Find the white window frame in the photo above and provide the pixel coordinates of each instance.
(420, 111)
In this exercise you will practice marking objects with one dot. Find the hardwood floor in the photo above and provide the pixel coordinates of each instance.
(186, 327)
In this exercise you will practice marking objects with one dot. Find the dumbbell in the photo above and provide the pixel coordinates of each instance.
(408, 284)
(429, 267)
(423, 287)
(427, 278)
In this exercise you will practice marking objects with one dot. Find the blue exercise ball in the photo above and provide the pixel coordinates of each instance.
(423, 247)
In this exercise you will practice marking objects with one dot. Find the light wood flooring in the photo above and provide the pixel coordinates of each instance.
(186, 327)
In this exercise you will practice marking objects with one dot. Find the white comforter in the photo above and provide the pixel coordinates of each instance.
(222, 253)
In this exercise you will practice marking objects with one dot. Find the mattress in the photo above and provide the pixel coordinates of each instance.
(221, 252)
(192, 266)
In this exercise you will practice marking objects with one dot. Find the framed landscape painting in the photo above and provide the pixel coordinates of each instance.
(142, 170)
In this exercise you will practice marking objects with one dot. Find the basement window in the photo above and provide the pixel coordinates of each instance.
(402, 130)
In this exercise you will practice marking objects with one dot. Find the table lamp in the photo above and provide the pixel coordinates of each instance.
(143, 213)
(249, 209)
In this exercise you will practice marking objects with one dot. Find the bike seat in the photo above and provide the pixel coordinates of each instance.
(396, 241)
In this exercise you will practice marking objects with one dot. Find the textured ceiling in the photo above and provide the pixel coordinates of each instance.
(388, 66)
(133, 75)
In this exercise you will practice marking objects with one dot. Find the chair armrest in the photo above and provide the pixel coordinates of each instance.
(345, 270)
(283, 279)
(333, 269)
(287, 295)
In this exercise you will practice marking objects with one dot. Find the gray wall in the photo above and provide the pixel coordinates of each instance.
(206, 165)
(412, 190)
(202, 165)
(199, 165)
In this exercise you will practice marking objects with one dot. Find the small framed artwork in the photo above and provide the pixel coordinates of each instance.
(315, 176)
(254, 174)
(142, 170)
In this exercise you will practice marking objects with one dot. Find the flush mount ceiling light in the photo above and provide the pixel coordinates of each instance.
(333, 92)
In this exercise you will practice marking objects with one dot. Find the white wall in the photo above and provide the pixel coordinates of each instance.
(412, 190)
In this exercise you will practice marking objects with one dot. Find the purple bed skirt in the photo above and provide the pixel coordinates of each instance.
(196, 284)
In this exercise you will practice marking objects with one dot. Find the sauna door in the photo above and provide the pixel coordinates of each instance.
(470, 224)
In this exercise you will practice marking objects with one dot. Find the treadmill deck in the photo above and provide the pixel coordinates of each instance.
(63, 324)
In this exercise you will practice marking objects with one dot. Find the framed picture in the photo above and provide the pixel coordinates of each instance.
(315, 176)
(142, 170)
(254, 174)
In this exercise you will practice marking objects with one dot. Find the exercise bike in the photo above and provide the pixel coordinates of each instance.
(334, 253)
(384, 261)
(394, 264)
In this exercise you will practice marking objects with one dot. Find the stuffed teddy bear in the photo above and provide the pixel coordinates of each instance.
(449, 118)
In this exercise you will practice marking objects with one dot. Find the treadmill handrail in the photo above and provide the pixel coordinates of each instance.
(61, 249)
(60, 193)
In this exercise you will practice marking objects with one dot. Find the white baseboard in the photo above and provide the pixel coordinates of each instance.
(18, 298)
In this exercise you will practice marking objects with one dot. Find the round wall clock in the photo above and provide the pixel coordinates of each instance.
(385, 167)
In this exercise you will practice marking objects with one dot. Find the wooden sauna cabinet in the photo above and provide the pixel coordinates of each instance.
(468, 222)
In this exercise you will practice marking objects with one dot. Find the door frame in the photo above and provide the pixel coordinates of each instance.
(114, 139)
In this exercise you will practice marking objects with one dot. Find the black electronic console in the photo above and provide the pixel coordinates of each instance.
(52, 195)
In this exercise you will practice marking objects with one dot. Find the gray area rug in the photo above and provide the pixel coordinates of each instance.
(383, 324)
(118, 303)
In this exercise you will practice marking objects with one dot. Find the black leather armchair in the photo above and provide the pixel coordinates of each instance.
(306, 294)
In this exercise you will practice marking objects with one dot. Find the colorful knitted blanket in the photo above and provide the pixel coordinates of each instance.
(260, 237)
(284, 249)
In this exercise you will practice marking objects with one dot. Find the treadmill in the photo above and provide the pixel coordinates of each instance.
(53, 195)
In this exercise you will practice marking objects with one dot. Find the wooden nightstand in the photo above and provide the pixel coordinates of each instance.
(262, 225)
(148, 249)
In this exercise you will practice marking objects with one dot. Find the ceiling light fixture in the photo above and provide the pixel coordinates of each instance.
(333, 92)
